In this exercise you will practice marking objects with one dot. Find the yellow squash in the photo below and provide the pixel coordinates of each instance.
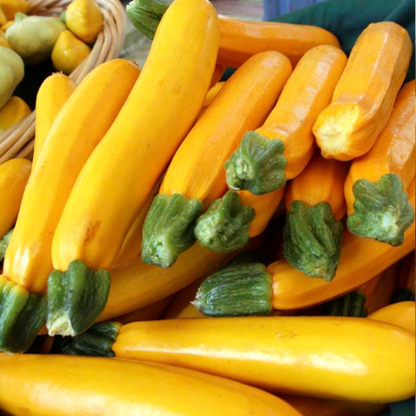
(84, 19)
(264, 207)
(57, 385)
(3, 19)
(137, 284)
(281, 148)
(328, 357)
(376, 201)
(123, 170)
(68, 52)
(3, 40)
(11, 7)
(14, 175)
(364, 96)
(51, 97)
(361, 260)
(12, 112)
(76, 131)
(401, 314)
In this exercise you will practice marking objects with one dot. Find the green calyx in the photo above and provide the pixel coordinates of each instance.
(240, 290)
(145, 15)
(224, 227)
(96, 341)
(312, 239)
(76, 298)
(4, 243)
(169, 228)
(352, 304)
(249, 257)
(22, 315)
(258, 165)
(403, 294)
(382, 210)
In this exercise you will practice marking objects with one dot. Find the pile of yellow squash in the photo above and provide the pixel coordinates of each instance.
(155, 198)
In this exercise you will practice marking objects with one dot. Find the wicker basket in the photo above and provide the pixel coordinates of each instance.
(18, 141)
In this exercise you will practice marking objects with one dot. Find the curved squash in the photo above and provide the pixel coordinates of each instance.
(12, 112)
(401, 314)
(91, 386)
(364, 96)
(281, 148)
(380, 212)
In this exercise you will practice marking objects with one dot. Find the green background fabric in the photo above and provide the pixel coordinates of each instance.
(346, 19)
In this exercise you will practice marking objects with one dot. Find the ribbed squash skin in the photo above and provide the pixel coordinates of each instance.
(72, 138)
(361, 260)
(52, 95)
(197, 170)
(364, 96)
(321, 181)
(57, 385)
(401, 314)
(393, 151)
(307, 92)
(14, 175)
(239, 40)
(14, 111)
(284, 354)
(159, 112)
(264, 206)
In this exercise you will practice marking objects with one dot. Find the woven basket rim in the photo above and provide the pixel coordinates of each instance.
(18, 141)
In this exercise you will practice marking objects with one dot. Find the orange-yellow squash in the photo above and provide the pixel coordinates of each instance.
(239, 40)
(281, 148)
(14, 175)
(401, 314)
(361, 260)
(56, 385)
(71, 139)
(196, 177)
(328, 357)
(12, 112)
(129, 161)
(364, 96)
(52, 95)
(321, 181)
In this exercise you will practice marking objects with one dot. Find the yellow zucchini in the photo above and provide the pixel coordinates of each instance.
(53, 385)
(76, 131)
(377, 203)
(401, 314)
(281, 148)
(296, 355)
(364, 96)
(52, 95)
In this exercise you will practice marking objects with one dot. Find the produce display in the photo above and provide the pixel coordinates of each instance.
(181, 243)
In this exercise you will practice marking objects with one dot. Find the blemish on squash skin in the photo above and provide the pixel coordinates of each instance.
(91, 231)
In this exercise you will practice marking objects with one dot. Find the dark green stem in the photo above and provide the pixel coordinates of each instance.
(145, 15)
(258, 165)
(351, 304)
(312, 239)
(403, 294)
(4, 243)
(169, 228)
(239, 290)
(96, 342)
(76, 298)
(224, 227)
(381, 210)
(22, 315)
(249, 257)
